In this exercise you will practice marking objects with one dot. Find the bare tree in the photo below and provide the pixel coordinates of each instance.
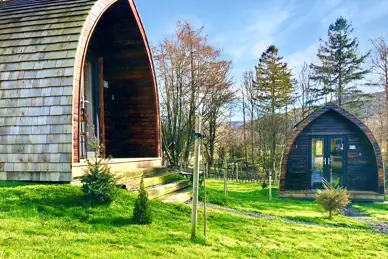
(380, 66)
(216, 106)
(250, 95)
(243, 104)
(189, 71)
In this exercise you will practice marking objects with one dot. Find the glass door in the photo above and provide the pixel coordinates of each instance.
(90, 107)
(328, 156)
(336, 160)
(318, 161)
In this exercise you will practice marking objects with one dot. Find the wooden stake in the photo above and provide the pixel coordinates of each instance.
(204, 202)
(270, 186)
(232, 171)
(225, 176)
(197, 160)
(237, 172)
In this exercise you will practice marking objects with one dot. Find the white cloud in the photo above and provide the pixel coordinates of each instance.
(259, 47)
(308, 55)
(268, 24)
(238, 51)
(264, 30)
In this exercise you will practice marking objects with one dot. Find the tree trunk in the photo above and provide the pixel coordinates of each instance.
(386, 117)
(245, 133)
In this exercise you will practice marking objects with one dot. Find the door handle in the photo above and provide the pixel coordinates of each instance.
(324, 160)
(329, 161)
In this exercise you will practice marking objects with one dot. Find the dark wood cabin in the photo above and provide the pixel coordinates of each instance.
(333, 144)
(66, 67)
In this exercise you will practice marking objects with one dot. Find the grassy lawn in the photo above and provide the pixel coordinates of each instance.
(377, 211)
(50, 221)
(251, 197)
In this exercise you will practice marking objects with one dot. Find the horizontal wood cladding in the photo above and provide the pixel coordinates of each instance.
(364, 163)
(130, 103)
(38, 41)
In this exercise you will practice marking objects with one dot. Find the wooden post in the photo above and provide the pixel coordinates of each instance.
(237, 172)
(232, 171)
(270, 186)
(204, 202)
(197, 160)
(225, 176)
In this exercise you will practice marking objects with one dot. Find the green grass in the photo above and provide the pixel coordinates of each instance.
(51, 221)
(377, 211)
(251, 197)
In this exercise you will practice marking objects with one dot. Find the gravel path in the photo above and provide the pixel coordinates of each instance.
(378, 227)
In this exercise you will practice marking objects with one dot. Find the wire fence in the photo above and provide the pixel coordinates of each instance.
(233, 173)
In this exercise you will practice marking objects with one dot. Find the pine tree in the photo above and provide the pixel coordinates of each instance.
(340, 65)
(274, 89)
(141, 211)
(98, 183)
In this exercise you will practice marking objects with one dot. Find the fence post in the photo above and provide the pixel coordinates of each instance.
(225, 176)
(237, 172)
(204, 201)
(197, 160)
(270, 186)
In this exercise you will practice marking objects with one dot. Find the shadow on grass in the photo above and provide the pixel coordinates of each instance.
(326, 221)
(10, 184)
(64, 202)
(115, 221)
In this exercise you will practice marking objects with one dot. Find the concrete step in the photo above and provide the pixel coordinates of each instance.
(132, 184)
(139, 172)
(161, 190)
(180, 196)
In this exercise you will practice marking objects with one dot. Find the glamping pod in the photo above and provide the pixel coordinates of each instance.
(69, 68)
(332, 144)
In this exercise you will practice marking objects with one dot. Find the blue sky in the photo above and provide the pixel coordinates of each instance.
(244, 28)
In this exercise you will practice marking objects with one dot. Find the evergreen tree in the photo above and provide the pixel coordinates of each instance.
(274, 89)
(340, 65)
(141, 211)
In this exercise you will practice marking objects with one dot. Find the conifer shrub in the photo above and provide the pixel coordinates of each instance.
(98, 183)
(333, 198)
(141, 211)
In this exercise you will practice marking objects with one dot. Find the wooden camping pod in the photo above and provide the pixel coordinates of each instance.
(44, 45)
(362, 164)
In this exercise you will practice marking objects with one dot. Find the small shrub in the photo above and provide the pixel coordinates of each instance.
(264, 184)
(98, 183)
(333, 198)
(141, 211)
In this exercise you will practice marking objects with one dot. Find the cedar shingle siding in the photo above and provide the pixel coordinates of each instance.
(38, 49)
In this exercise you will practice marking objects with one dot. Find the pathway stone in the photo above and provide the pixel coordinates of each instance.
(259, 215)
(380, 227)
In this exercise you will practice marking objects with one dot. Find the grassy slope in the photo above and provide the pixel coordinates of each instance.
(377, 211)
(50, 221)
(251, 197)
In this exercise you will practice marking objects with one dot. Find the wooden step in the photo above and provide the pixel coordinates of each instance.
(123, 166)
(139, 172)
(161, 178)
(161, 190)
(180, 196)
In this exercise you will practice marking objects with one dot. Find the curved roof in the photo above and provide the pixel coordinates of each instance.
(42, 49)
(313, 116)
